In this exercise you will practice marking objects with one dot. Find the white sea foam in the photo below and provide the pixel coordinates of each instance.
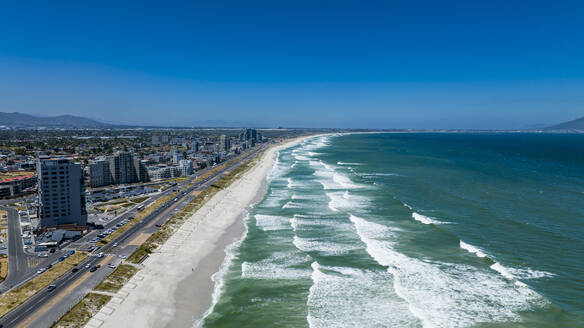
(371, 175)
(425, 219)
(517, 273)
(330, 178)
(350, 297)
(275, 197)
(301, 157)
(280, 265)
(294, 164)
(277, 170)
(292, 205)
(344, 182)
(349, 164)
(445, 294)
(325, 247)
(343, 200)
(408, 206)
(296, 196)
(502, 270)
(306, 222)
(472, 249)
(219, 277)
(271, 222)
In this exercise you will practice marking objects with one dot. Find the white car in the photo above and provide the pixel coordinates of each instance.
(116, 244)
(100, 255)
(111, 266)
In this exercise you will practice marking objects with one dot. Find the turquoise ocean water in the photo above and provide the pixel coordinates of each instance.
(413, 230)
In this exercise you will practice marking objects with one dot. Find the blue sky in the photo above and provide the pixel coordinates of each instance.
(376, 64)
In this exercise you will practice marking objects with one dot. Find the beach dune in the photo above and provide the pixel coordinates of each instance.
(174, 288)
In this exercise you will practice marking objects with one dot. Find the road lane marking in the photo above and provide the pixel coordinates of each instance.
(61, 294)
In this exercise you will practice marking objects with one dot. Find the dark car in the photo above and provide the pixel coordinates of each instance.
(49, 266)
(51, 288)
(158, 225)
(75, 270)
(52, 250)
(93, 268)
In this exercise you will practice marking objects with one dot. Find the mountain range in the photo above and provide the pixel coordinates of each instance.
(577, 124)
(23, 121)
(20, 120)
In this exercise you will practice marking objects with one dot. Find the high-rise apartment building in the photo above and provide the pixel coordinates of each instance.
(224, 142)
(186, 167)
(61, 193)
(100, 174)
(121, 168)
(195, 146)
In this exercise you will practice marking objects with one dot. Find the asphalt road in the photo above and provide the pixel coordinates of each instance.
(17, 258)
(41, 310)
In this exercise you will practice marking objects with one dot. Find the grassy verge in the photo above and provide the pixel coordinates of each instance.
(116, 280)
(3, 267)
(80, 314)
(17, 296)
(90, 305)
(139, 199)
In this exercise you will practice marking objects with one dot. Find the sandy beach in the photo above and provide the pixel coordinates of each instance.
(174, 288)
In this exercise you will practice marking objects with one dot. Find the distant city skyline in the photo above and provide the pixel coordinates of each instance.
(303, 64)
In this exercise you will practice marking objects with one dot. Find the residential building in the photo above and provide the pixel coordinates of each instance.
(225, 143)
(99, 173)
(61, 193)
(16, 185)
(177, 157)
(122, 168)
(186, 167)
(195, 146)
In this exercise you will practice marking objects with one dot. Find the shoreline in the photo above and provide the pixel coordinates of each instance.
(175, 287)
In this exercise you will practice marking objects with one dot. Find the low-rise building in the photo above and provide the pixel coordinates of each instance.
(15, 186)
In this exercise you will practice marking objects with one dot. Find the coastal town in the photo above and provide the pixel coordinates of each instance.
(72, 199)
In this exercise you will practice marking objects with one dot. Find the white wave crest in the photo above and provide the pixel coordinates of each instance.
(349, 164)
(517, 273)
(445, 294)
(349, 297)
(325, 247)
(219, 277)
(425, 219)
(472, 249)
(280, 265)
(271, 222)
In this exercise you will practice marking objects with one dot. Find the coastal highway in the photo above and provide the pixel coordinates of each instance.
(44, 308)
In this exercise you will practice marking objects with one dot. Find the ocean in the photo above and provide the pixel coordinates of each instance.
(413, 230)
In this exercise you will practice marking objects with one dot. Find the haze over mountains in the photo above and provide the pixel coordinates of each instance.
(577, 124)
(23, 121)
(20, 120)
